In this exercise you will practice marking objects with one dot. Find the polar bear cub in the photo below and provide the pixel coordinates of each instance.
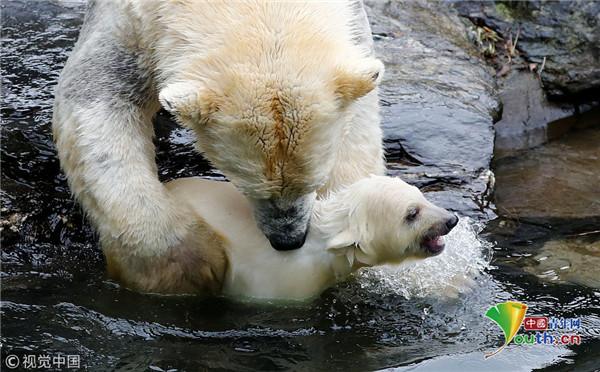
(374, 221)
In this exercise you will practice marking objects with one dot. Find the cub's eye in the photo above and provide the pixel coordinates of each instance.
(412, 214)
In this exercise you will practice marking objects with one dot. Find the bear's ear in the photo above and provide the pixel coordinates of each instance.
(354, 82)
(187, 100)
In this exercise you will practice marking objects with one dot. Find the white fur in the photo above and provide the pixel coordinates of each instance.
(218, 66)
(361, 225)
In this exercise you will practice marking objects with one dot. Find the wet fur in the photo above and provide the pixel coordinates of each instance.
(309, 113)
(361, 225)
(197, 265)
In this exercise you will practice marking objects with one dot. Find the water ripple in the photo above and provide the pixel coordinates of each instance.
(153, 331)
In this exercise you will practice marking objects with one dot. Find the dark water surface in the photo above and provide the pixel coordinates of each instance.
(56, 299)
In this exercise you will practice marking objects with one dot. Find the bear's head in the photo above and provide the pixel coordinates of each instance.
(275, 135)
(385, 221)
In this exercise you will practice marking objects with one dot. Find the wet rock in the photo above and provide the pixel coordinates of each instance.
(438, 102)
(557, 180)
(529, 119)
(548, 202)
(574, 261)
(565, 33)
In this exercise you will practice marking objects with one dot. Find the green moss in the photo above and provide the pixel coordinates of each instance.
(511, 10)
(504, 11)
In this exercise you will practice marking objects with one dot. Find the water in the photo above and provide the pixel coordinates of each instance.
(425, 316)
(457, 270)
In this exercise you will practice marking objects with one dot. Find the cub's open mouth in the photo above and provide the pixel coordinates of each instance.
(433, 246)
(432, 242)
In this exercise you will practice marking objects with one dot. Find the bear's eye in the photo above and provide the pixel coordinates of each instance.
(412, 214)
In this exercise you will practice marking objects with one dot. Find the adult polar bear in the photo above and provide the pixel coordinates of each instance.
(282, 97)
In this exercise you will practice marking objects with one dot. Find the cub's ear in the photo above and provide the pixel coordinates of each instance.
(188, 101)
(354, 82)
(358, 251)
(342, 240)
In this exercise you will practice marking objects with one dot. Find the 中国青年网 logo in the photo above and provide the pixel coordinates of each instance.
(511, 315)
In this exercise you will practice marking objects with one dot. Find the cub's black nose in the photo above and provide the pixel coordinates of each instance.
(451, 222)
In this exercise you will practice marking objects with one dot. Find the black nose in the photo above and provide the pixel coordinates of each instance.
(288, 243)
(451, 222)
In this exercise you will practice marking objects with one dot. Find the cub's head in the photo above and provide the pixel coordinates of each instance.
(388, 221)
(275, 135)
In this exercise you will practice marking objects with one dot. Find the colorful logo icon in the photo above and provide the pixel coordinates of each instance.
(508, 316)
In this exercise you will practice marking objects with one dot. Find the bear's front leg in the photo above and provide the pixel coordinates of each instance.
(102, 128)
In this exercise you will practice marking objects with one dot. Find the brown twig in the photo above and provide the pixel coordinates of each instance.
(512, 50)
(585, 233)
(540, 71)
(512, 214)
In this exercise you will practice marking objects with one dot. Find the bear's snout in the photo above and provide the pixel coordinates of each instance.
(432, 243)
(451, 222)
(287, 242)
(284, 223)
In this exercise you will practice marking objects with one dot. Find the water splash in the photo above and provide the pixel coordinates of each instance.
(457, 270)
